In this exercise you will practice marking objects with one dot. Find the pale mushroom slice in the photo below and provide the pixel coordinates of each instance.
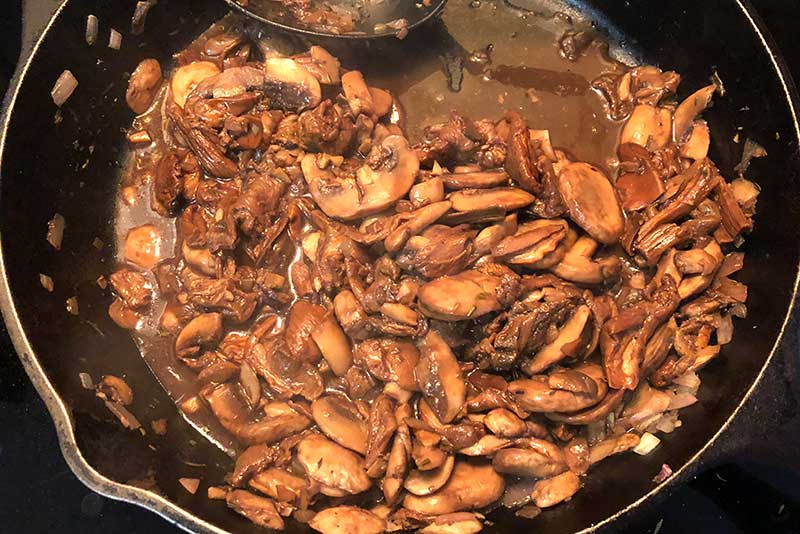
(439, 377)
(203, 330)
(338, 418)
(591, 201)
(386, 176)
(505, 423)
(357, 93)
(186, 78)
(417, 222)
(568, 336)
(532, 242)
(332, 465)
(426, 482)
(612, 445)
(475, 179)
(347, 520)
(472, 485)
(333, 344)
(577, 264)
(539, 459)
(486, 446)
(688, 110)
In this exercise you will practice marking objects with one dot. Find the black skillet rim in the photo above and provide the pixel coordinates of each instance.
(60, 413)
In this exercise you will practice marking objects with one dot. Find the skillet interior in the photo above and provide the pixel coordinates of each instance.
(48, 168)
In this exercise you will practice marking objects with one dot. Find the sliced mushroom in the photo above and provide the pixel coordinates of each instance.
(351, 315)
(490, 236)
(203, 330)
(338, 419)
(389, 360)
(143, 246)
(486, 446)
(426, 482)
(333, 344)
(143, 84)
(568, 337)
(475, 179)
(540, 459)
(576, 454)
(696, 146)
(259, 510)
(439, 377)
(357, 93)
(532, 242)
(321, 64)
(347, 520)
(457, 523)
(578, 266)
(418, 221)
(201, 259)
(397, 465)
(427, 192)
(332, 465)
(648, 126)
(613, 445)
(535, 394)
(304, 317)
(282, 486)
(472, 485)
(502, 198)
(504, 423)
(466, 295)
(285, 375)
(188, 76)
(386, 176)
(591, 201)
(552, 491)
(290, 86)
(688, 110)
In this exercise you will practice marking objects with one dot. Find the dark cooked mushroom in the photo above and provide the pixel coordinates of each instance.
(203, 330)
(143, 84)
(471, 486)
(332, 465)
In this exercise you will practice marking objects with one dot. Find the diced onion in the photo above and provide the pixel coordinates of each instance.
(114, 39)
(689, 380)
(92, 25)
(140, 15)
(46, 282)
(63, 88)
(646, 444)
(86, 381)
(682, 400)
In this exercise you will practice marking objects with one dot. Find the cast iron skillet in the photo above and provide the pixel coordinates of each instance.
(72, 168)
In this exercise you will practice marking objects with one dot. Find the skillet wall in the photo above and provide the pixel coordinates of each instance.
(72, 167)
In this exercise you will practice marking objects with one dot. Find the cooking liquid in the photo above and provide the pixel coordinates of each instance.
(504, 58)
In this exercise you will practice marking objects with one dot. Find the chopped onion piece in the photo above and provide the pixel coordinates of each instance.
(63, 88)
(46, 282)
(91, 29)
(114, 39)
(86, 381)
(665, 473)
(681, 400)
(55, 230)
(646, 444)
(689, 380)
(126, 418)
(140, 15)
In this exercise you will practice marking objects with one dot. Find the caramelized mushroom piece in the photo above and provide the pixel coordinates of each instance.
(143, 246)
(386, 176)
(466, 295)
(591, 201)
(290, 86)
(338, 419)
(439, 377)
(188, 76)
(357, 93)
(333, 344)
(203, 330)
(457, 523)
(143, 84)
(551, 491)
(471, 486)
(304, 317)
(648, 126)
(259, 510)
(423, 483)
(689, 109)
(332, 465)
(504, 198)
(540, 459)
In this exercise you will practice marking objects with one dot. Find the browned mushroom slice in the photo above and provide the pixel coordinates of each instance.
(397, 465)
(440, 250)
(552, 491)
(143, 84)
(566, 340)
(203, 330)
(304, 317)
(282, 486)
(389, 360)
(593, 413)
(290, 86)
(347, 520)
(201, 259)
(321, 64)
(466, 295)
(259, 510)
(285, 375)
(503, 198)
(332, 465)
(613, 445)
(439, 377)
(381, 425)
(689, 109)
(504, 423)
(357, 93)
(576, 455)
(143, 246)
(648, 126)
(338, 419)
(427, 192)
(188, 76)
(486, 446)
(457, 523)
(475, 179)
(591, 201)
(536, 395)
(533, 242)
(333, 344)
(536, 458)
(490, 236)
(386, 176)
(637, 191)
(351, 315)
(696, 146)
(472, 485)
(426, 482)
(418, 221)
(578, 266)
